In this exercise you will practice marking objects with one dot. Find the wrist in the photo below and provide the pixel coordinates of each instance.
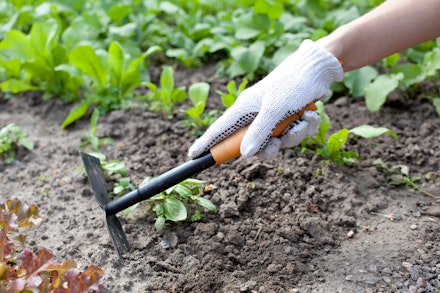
(333, 45)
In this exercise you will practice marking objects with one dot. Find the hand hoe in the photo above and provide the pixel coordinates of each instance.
(220, 153)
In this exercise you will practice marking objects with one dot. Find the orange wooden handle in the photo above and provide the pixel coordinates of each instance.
(229, 148)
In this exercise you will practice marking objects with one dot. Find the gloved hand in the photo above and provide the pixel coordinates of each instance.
(304, 77)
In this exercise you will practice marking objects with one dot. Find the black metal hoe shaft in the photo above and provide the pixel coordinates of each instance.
(160, 183)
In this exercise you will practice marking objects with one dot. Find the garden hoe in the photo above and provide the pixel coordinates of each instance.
(224, 151)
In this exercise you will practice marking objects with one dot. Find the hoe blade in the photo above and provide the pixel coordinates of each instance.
(117, 235)
(96, 179)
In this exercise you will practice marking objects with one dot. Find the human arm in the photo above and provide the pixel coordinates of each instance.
(393, 26)
(306, 75)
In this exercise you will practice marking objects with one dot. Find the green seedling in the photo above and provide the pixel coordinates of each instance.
(399, 175)
(228, 99)
(166, 97)
(90, 138)
(116, 172)
(330, 147)
(197, 118)
(180, 202)
(23, 271)
(11, 138)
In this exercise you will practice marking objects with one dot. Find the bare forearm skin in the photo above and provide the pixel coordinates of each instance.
(393, 26)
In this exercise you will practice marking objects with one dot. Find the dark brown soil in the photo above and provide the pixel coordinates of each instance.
(282, 225)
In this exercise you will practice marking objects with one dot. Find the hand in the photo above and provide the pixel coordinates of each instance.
(304, 77)
(292, 136)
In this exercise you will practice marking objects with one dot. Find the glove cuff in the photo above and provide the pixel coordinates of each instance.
(322, 61)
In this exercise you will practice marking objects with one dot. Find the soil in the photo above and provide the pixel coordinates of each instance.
(293, 224)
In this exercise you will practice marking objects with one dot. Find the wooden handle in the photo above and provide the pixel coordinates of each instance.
(229, 148)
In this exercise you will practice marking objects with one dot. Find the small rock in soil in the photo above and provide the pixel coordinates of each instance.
(387, 271)
(386, 279)
(406, 265)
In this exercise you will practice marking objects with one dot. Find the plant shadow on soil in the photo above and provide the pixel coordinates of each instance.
(282, 225)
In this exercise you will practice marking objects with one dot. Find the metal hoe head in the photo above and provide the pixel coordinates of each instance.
(96, 179)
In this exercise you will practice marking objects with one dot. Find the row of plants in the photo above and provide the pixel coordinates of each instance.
(95, 52)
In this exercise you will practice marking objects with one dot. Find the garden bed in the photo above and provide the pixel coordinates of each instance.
(289, 225)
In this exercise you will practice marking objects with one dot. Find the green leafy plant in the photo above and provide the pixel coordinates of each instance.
(180, 202)
(12, 137)
(116, 172)
(228, 99)
(197, 117)
(166, 97)
(108, 77)
(399, 175)
(330, 147)
(23, 271)
(35, 61)
(90, 138)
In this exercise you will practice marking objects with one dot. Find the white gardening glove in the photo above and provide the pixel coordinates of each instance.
(292, 136)
(304, 77)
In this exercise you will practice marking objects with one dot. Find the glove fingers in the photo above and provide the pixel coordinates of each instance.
(258, 134)
(307, 126)
(270, 151)
(231, 121)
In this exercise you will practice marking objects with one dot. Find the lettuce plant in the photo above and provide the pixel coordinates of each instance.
(23, 271)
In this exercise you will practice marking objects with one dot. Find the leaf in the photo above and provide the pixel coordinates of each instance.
(94, 121)
(174, 210)
(27, 143)
(392, 60)
(167, 78)
(115, 166)
(17, 45)
(431, 63)
(61, 269)
(324, 125)
(26, 215)
(77, 281)
(182, 190)
(32, 265)
(436, 103)
(85, 59)
(16, 86)
(273, 9)
(336, 141)
(377, 91)
(413, 73)
(77, 112)
(159, 224)
(206, 203)
(246, 59)
(357, 80)
(116, 63)
(199, 92)
(367, 131)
